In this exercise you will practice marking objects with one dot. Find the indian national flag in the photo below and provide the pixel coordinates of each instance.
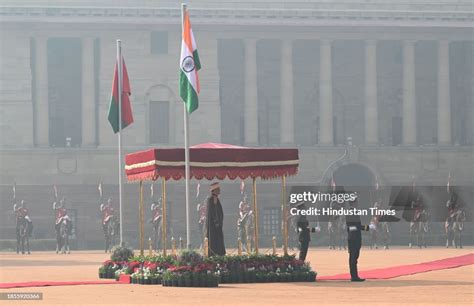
(127, 117)
(189, 64)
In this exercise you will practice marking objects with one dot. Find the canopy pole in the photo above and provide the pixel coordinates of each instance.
(284, 213)
(255, 215)
(142, 241)
(164, 225)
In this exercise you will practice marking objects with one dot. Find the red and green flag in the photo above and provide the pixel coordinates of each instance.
(189, 65)
(127, 117)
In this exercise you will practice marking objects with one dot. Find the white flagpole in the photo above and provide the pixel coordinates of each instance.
(119, 68)
(186, 152)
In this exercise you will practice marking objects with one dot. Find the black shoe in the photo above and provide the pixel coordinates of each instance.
(358, 279)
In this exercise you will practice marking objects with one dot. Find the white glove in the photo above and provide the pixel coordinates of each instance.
(372, 227)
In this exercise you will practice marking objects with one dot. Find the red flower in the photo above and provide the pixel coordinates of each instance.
(203, 267)
(134, 265)
(165, 265)
(181, 269)
(150, 265)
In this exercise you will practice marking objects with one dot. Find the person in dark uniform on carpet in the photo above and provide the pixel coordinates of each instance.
(215, 218)
(304, 237)
(354, 237)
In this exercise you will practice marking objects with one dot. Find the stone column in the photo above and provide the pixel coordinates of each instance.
(88, 93)
(325, 95)
(41, 87)
(371, 110)
(287, 134)
(251, 99)
(409, 100)
(444, 101)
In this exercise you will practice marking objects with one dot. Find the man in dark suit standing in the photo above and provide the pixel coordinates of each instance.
(215, 218)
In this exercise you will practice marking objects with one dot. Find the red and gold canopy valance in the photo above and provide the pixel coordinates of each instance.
(211, 161)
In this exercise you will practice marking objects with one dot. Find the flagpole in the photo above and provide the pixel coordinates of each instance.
(119, 68)
(186, 152)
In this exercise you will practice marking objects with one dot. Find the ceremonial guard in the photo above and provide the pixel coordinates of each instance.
(21, 211)
(107, 212)
(215, 218)
(354, 237)
(304, 230)
(452, 204)
(156, 211)
(201, 209)
(157, 222)
(60, 212)
(244, 210)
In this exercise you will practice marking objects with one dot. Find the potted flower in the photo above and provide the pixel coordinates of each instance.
(146, 279)
(121, 253)
(117, 274)
(154, 279)
(224, 277)
(180, 278)
(166, 280)
(102, 272)
(135, 277)
(251, 276)
(174, 280)
(233, 277)
(187, 279)
(196, 279)
(213, 280)
(272, 277)
(159, 279)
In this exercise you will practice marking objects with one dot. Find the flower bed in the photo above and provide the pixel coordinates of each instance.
(109, 268)
(190, 279)
(262, 269)
(192, 270)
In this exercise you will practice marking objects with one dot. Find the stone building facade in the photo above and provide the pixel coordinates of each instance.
(392, 82)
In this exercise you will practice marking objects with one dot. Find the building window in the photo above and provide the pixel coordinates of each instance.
(268, 91)
(64, 92)
(159, 42)
(159, 122)
(271, 221)
(396, 131)
(231, 90)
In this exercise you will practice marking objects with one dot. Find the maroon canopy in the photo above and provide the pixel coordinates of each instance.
(210, 161)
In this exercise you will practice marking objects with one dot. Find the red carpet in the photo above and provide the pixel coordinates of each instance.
(57, 283)
(392, 272)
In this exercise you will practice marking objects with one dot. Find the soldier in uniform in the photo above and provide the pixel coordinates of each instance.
(24, 226)
(304, 230)
(21, 211)
(61, 216)
(107, 213)
(354, 237)
(452, 205)
(244, 210)
(60, 212)
(156, 221)
(201, 209)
